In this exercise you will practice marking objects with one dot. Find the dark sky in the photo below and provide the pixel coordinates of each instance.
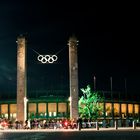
(48, 26)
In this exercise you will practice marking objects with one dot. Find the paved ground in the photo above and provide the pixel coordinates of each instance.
(104, 134)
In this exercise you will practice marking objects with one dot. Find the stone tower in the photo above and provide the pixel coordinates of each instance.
(73, 73)
(21, 79)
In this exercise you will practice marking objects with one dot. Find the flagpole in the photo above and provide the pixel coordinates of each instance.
(111, 86)
(125, 84)
(94, 83)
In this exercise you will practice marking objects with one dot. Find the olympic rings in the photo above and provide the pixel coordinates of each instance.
(47, 58)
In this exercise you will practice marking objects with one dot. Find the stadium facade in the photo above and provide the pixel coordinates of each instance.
(58, 107)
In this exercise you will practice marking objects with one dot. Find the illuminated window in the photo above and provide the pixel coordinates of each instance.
(108, 108)
(116, 109)
(13, 108)
(123, 109)
(101, 105)
(136, 108)
(130, 108)
(52, 109)
(4, 108)
(61, 107)
(42, 108)
(32, 107)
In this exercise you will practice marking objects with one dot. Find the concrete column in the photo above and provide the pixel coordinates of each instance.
(127, 117)
(133, 111)
(139, 111)
(112, 112)
(73, 72)
(97, 126)
(47, 110)
(57, 109)
(0, 110)
(67, 111)
(120, 111)
(116, 124)
(21, 78)
(27, 111)
(134, 124)
(104, 110)
(37, 110)
(9, 111)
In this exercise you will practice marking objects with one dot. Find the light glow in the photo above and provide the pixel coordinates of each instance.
(47, 58)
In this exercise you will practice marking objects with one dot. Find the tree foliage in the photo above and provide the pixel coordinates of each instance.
(90, 104)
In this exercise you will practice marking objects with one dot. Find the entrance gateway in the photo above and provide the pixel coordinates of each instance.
(22, 77)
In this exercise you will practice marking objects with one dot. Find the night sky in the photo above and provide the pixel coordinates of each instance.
(47, 28)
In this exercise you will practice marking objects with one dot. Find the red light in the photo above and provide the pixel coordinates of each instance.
(66, 123)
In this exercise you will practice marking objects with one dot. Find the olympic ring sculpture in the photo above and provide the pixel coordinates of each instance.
(47, 58)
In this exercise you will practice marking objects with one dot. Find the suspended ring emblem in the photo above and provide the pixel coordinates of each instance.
(47, 58)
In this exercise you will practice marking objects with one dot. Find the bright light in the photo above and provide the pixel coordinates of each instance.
(69, 99)
(66, 123)
(25, 108)
(25, 99)
(47, 58)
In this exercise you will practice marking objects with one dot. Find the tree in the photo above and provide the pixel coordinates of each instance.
(90, 104)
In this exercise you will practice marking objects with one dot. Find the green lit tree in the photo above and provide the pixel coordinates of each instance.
(90, 104)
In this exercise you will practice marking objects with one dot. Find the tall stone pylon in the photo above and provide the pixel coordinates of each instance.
(21, 79)
(73, 73)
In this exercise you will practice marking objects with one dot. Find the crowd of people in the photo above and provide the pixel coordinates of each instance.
(39, 124)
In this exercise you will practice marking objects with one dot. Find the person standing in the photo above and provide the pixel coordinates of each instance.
(79, 123)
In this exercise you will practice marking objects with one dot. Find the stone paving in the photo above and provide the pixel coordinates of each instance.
(68, 134)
